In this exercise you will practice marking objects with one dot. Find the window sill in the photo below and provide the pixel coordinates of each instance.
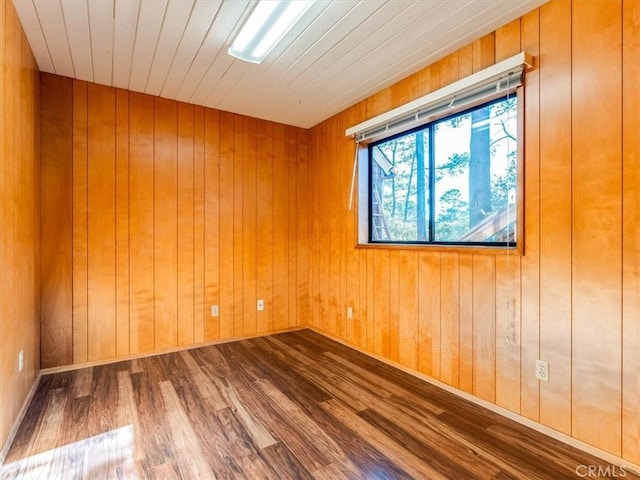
(483, 250)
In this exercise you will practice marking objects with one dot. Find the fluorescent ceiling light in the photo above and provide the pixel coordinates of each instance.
(266, 26)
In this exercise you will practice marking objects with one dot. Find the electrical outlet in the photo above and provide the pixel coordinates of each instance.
(215, 311)
(260, 305)
(350, 312)
(542, 370)
(21, 361)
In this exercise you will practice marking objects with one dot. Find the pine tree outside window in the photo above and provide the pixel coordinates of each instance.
(452, 182)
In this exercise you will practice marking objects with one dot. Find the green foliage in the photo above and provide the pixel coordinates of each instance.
(399, 193)
(453, 217)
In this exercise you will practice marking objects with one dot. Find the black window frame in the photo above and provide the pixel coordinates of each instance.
(430, 128)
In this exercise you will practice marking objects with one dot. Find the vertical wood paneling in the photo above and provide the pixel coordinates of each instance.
(465, 61)
(238, 232)
(530, 265)
(323, 250)
(170, 204)
(571, 299)
(484, 52)
(448, 69)
(508, 332)
(186, 313)
(141, 228)
(332, 222)
(597, 223)
(201, 310)
(80, 223)
(394, 320)
(316, 253)
(249, 226)
(280, 227)
(475, 321)
(380, 295)
(122, 222)
(56, 175)
(370, 275)
(631, 233)
(212, 223)
(5, 412)
(466, 323)
(555, 226)
(507, 302)
(303, 225)
(264, 206)
(484, 327)
(408, 309)
(352, 256)
(508, 40)
(20, 207)
(292, 155)
(226, 220)
(101, 210)
(450, 319)
(429, 314)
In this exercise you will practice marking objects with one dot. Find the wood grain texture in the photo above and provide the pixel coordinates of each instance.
(201, 312)
(122, 222)
(555, 226)
(302, 202)
(141, 228)
(264, 226)
(249, 225)
(530, 281)
(494, 316)
(596, 225)
(226, 219)
(186, 228)
(450, 319)
(20, 215)
(568, 266)
(630, 233)
(101, 209)
(165, 223)
(294, 405)
(56, 210)
(168, 216)
(484, 327)
(80, 223)
(408, 328)
(238, 232)
(292, 267)
(280, 227)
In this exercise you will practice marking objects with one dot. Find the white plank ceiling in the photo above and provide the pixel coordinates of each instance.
(341, 52)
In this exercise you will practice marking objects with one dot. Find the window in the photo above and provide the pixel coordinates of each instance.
(450, 182)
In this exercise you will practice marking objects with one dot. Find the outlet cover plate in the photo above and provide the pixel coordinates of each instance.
(542, 370)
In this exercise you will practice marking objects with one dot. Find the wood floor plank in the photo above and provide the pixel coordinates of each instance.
(192, 458)
(295, 405)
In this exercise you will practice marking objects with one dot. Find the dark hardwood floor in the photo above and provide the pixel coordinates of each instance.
(293, 406)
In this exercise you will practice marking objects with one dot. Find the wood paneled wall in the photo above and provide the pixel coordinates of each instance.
(477, 321)
(19, 219)
(159, 210)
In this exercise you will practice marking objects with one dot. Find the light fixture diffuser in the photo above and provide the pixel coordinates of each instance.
(266, 26)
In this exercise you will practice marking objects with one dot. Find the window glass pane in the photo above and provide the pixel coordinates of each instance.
(461, 190)
(400, 189)
(475, 175)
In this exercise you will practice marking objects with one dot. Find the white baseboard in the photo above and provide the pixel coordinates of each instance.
(550, 432)
(16, 424)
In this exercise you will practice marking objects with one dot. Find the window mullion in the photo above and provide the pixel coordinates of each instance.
(432, 183)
